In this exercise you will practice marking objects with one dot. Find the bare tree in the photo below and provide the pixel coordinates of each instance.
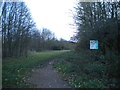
(16, 26)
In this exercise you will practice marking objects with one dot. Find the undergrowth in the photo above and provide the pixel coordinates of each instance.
(86, 69)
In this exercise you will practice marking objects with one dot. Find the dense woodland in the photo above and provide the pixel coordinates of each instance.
(20, 35)
(100, 21)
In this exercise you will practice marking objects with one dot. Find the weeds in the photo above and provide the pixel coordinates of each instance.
(85, 69)
(15, 72)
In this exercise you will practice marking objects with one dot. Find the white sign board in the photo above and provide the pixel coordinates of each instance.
(93, 44)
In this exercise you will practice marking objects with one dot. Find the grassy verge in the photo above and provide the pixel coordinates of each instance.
(15, 70)
(85, 69)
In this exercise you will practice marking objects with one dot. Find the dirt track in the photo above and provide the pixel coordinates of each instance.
(47, 77)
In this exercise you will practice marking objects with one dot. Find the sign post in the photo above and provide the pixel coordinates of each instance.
(93, 44)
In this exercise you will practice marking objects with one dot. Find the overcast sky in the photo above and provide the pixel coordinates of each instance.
(54, 15)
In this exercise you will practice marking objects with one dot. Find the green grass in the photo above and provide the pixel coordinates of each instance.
(15, 70)
(83, 69)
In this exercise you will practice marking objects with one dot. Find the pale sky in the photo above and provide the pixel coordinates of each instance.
(54, 15)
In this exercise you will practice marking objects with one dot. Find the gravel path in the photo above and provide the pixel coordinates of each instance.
(47, 77)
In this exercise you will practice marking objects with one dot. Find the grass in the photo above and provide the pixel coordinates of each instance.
(83, 69)
(16, 70)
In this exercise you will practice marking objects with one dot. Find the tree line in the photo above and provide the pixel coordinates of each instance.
(20, 35)
(100, 21)
(46, 40)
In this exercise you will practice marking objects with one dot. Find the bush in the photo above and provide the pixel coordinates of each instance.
(96, 70)
(83, 68)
